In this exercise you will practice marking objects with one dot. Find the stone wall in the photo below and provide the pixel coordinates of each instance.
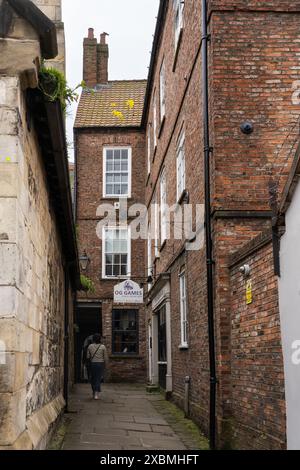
(53, 9)
(31, 281)
(32, 301)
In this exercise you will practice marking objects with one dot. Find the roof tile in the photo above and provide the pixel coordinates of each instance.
(117, 104)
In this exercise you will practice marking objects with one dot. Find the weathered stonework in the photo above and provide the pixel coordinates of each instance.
(32, 273)
(53, 9)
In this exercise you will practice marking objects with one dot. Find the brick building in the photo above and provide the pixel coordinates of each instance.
(249, 80)
(39, 269)
(110, 162)
(253, 65)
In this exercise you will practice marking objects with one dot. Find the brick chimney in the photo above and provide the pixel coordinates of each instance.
(102, 60)
(95, 60)
(90, 59)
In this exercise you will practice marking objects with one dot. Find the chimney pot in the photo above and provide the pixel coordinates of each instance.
(103, 38)
(91, 33)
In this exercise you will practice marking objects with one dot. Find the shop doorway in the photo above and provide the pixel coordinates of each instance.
(88, 322)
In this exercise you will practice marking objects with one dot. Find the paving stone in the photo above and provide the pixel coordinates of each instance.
(132, 426)
(155, 420)
(108, 431)
(162, 429)
(153, 435)
(125, 418)
(101, 439)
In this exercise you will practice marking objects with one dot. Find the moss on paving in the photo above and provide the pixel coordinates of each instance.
(58, 437)
(187, 430)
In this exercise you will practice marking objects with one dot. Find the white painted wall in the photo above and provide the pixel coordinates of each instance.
(289, 304)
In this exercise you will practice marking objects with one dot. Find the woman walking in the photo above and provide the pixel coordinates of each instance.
(97, 356)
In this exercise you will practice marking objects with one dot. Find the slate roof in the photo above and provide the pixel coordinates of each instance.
(117, 104)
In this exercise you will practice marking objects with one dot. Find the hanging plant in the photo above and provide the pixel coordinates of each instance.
(54, 86)
(87, 284)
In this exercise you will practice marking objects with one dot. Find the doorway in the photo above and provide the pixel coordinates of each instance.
(89, 322)
(162, 347)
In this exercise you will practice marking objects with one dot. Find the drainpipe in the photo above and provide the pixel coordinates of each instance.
(66, 339)
(208, 232)
(187, 382)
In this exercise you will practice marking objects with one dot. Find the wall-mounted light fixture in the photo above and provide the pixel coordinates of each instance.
(247, 127)
(84, 261)
(245, 270)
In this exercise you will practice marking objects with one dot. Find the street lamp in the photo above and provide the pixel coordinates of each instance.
(84, 261)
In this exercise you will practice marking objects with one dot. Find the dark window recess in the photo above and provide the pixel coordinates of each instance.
(162, 376)
(125, 332)
(162, 335)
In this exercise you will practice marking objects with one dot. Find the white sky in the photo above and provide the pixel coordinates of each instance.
(130, 24)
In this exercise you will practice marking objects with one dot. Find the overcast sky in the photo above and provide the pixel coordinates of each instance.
(130, 25)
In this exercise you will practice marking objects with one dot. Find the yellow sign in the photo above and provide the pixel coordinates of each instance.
(249, 297)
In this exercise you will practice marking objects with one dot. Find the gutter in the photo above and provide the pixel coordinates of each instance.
(50, 130)
(162, 13)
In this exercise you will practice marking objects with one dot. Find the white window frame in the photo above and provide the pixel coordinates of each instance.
(149, 151)
(180, 165)
(154, 122)
(156, 229)
(128, 230)
(183, 310)
(162, 91)
(119, 196)
(163, 207)
(178, 25)
(149, 255)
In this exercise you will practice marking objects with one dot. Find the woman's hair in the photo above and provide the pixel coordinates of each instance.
(97, 338)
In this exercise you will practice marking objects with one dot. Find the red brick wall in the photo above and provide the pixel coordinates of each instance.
(183, 110)
(90, 61)
(255, 5)
(89, 167)
(257, 380)
(125, 369)
(254, 64)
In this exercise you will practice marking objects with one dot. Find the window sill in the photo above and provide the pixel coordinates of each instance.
(183, 198)
(125, 356)
(154, 153)
(116, 198)
(114, 279)
(162, 245)
(162, 125)
(179, 40)
(183, 347)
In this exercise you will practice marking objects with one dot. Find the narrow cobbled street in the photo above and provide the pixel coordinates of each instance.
(125, 418)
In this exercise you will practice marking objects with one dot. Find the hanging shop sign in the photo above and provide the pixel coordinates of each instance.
(128, 292)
